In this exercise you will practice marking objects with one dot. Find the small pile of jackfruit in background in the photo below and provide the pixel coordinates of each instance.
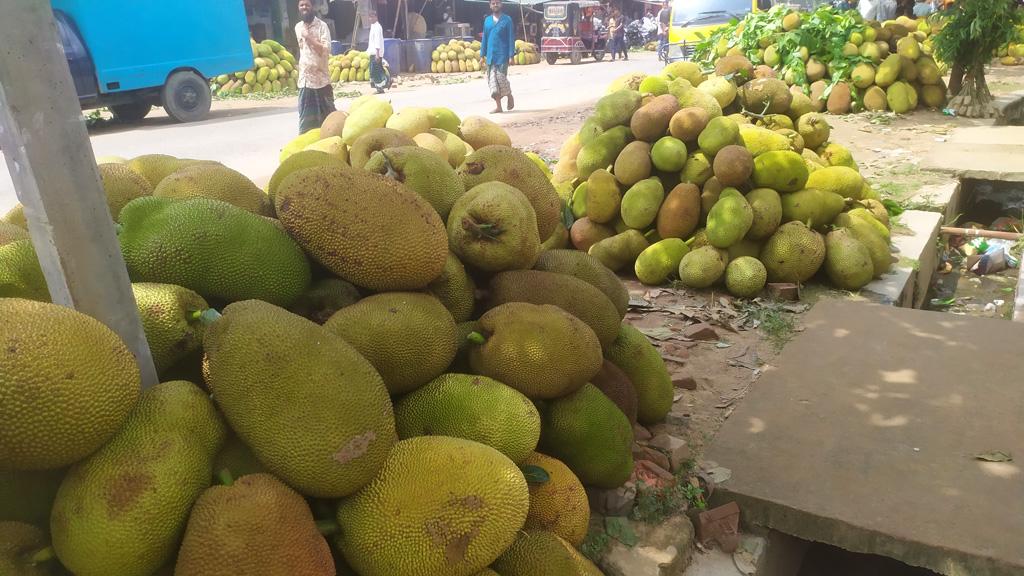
(352, 66)
(661, 180)
(1012, 54)
(274, 70)
(526, 53)
(842, 63)
(456, 56)
(386, 364)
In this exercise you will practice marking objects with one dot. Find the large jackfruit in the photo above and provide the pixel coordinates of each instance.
(256, 526)
(793, 253)
(455, 289)
(513, 167)
(537, 552)
(558, 504)
(20, 543)
(367, 229)
(122, 510)
(11, 233)
(440, 506)
(299, 161)
(492, 227)
(155, 167)
(541, 351)
(312, 409)
(218, 182)
(473, 407)
(569, 293)
(589, 433)
(20, 273)
(214, 248)
(423, 172)
(174, 320)
(121, 185)
(408, 337)
(324, 298)
(68, 383)
(640, 360)
(374, 141)
(590, 270)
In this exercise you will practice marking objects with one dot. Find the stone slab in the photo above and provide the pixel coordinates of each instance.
(865, 438)
(907, 282)
(981, 153)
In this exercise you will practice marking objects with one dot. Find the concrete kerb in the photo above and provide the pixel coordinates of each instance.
(906, 285)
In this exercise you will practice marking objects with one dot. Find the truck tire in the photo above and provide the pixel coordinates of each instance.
(186, 96)
(131, 112)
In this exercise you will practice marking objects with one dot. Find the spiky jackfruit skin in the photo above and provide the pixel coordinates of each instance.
(492, 227)
(154, 167)
(455, 289)
(18, 543)
(640, 360)
(560, 504)
(313, 410)
(121, 184)
(587, 432)
(365, 228)
(27, 495)
(793, 253)
(16, 216)
(217, 182)
(513, 167)
(20, 273)
(615, 384)
(423, 172)
(408, 337)
(473, 407)
(325, 297)
(540, 350)
(11, 233)
(589, 269)
(214, 248)
(122, 510)
(68, 383)
(300, 161)
(569, 293)
(256, 526)
(170, 319)
(538, 552)
(440, 506)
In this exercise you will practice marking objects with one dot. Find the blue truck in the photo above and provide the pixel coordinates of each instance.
(130, 56)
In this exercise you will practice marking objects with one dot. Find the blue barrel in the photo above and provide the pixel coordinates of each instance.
(394, 54)
(417, 55)
(338, 47)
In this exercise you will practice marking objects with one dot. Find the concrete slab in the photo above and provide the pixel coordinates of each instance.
(944, 197)
(982, 153)
(907, 283)
(1010, 109)
(865, 438)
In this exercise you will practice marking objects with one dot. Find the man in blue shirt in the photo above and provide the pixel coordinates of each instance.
(498, 47)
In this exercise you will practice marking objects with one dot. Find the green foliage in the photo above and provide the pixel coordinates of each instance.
(655, 504)
(595, 543)
(974, 29)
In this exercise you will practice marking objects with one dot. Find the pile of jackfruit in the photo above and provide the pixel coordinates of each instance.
(456, 56)
(526, 53)
(1012, 53)
(841, 62)
(663, 181)
(352, 66)
(385, 364)
(274, 70)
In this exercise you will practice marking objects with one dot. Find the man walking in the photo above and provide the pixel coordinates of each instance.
(375, 48)
(620, 35)
(498, 43)
(316, 95)
(663, 25)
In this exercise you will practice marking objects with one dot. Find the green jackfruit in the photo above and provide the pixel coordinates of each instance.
(603, 197)
(10, 233)
(642, 363)
(702, 266)
(634, 163)
(560, 503)
(493, 228)
(212, 247)
(814, 129)
(299, 161)
(154, 167)
(444, 119)
(217, 182)
(668, 154)
(590, 270)
(173, 320)
(844, 181)
(602, 151)
(478, 132)
(745, 277)
(697, 169)
(20, 273)
(847, 260)
(758, 140)
(408, 337)
(888, 71)
(375, 140)
(837, 155)
(793, 253)
(312, 409)
(541, 552)
(121, 185)
(122, 510)
(620, 250)
(767, 211)
(765, 96)
(617, 108)
(719, 133)
(651, 121)
(700, 99)
(324, 298)
(412, 120)
(365, 113)
(782, 171)
(473, 407)
(641, 202)
(455, 289)
(660, 261)
(439, 505)
(868, 234)
(817, 208)
(901, 97)
(423, 172)
(730, 219)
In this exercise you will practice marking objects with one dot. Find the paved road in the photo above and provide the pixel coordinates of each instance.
(248, 139)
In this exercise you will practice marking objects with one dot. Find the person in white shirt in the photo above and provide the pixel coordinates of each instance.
(375, 48)
(316, 95)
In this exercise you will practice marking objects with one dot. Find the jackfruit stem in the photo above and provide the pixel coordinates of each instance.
(44, 555)
(476, 338)
(489, 231)
(327, 527)
(391, 172)
(225, 477)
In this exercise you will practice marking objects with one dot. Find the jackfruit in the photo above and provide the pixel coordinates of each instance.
(10, 233)
(617, 108)
(793, 253)
(512, 167)
(68, 382)
(439, 506)
(422, 171)
(338, 215)
(847, 261)
(20, 273)
(733, 165)
(874, 99)
(312, 409)
(782, 171)
(901, 97)
(640, 360)
(333, 146)
(334, 124)
(816, 208)
(868, 234)
(633, 163)
(641, 202)
(478, 132)
(719, 133)
(376, 140)
(257, 525)
(700, 99)
(235, 460)
(697, 169)
(680, 212)
(433, 144)
(620, 250)
(765, 96)
(473, 407)
(659, 261)
(408, 337)
(651, 121)
(689, 71)
(492, 227)
(585, 233)
(173, 319)
(602, 151)
(412, 120)
(737, 65)
(758, 140)
(559, 503)
(590, 270)
(745, 277)
(723, 90)
(365, 114)
(455, 289)
(456, 148)
(667, 155)
(837, 155)
(217, 182)
(888, 71)
(537, 552)
(842, 180)
(688, 123)
(702, 266)
(800, 105)
(219, 250)
(840, 99)
(28, 495)
(122, 510)
(729, 220)
(323, 298)
(299, 161)
(20, 546)
(766, 206)
(863, 75)
(121, 185)
(615, 384)
(154, 167)
(444, 119)
(603, 197)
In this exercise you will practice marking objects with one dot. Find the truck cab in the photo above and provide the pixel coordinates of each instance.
(131, 56)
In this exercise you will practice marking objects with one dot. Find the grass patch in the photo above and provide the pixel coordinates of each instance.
(656, 504)
(595, 543)
(258, 96)
(774, 321)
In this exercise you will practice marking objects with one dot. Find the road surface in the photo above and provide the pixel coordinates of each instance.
(248, 137)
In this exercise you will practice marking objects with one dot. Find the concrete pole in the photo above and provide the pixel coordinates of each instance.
(51, 163)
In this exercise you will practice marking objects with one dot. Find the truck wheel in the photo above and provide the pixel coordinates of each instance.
(575, 57)
(551, 57)
(186, 97)
(131, 112)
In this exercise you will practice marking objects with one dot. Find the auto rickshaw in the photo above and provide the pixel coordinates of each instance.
(570, 32)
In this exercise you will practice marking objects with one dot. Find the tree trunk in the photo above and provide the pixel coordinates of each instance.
(956, 79)
(973, 99)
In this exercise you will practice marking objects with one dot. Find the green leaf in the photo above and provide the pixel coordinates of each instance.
(994, 456)
(535, 474)
(620, 529)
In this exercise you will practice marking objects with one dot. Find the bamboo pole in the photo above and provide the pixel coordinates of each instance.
(948, 230)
